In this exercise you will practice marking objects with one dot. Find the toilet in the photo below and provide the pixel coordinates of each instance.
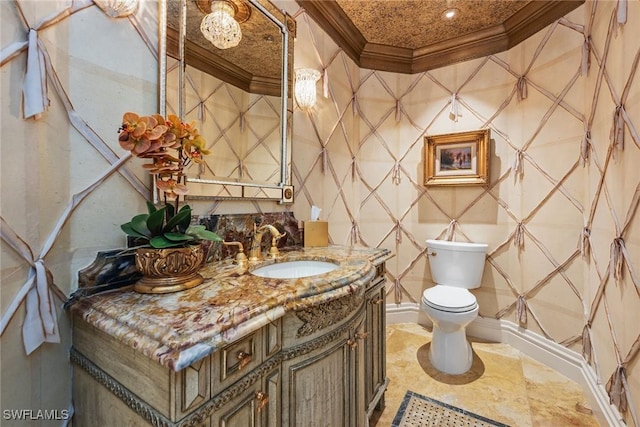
(456, 267)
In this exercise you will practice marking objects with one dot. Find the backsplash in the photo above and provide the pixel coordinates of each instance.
(240, 228)
(115, 269)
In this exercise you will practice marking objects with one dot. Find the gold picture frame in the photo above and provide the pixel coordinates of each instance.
(460, 158)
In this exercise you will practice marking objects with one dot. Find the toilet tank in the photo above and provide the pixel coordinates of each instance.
(456, 264)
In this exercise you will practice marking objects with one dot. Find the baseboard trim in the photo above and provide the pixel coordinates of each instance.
(406, 312)
(563, 360)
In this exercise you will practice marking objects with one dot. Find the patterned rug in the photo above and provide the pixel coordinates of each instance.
(421, 411)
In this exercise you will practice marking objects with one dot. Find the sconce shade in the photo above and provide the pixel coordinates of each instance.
(220, 27)
(117, 8)
(305, 87)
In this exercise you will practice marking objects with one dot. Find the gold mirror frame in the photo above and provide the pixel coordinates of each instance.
(457, 158)
(216, 189)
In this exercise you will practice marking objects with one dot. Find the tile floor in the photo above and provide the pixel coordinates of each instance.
(503, 384)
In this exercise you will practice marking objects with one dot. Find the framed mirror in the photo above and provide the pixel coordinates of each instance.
(239, 96)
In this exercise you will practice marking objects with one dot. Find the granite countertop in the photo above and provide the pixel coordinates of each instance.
(180, 328)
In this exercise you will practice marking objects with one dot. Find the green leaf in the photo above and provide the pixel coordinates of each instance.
(200, 232)
(161, 242)
(186, 222)
(150, 207)
(155, 222)
(181, 219)
(178, 237)
(139, 224)
(171, 210)
(128, 229)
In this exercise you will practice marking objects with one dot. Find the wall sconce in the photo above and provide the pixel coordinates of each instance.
(305, 87)
(221, 25)
(117, 8)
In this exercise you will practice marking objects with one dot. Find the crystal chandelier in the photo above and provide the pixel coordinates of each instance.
(305, 87)
(117, 8)
(220, 26)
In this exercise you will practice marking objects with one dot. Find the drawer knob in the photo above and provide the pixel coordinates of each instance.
(244, 359)
(262, 398)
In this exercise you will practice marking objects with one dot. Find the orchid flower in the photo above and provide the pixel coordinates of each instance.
(172, 189)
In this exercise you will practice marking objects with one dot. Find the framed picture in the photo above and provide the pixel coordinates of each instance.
(457, 158)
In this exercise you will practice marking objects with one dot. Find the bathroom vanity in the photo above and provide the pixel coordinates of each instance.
(238, 350)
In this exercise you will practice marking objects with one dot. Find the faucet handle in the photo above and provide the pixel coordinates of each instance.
(241, 258)
(273, 251)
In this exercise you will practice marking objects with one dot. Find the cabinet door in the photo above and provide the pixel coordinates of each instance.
(317, 385)
(258, 406)
(241, 411)
(272, 407)
(375, 345)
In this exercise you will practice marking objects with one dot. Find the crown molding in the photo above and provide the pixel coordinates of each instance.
(527, 21)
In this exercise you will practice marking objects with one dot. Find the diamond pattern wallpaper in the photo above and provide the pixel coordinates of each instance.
(560, 213)
(242, 129)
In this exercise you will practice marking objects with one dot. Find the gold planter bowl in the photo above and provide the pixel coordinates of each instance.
(168, 270)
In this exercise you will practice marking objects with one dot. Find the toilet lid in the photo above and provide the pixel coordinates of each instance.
(449, 298)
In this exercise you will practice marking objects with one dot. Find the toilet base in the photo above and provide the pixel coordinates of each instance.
(450, 352)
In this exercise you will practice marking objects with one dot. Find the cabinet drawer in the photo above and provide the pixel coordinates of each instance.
(231, 362)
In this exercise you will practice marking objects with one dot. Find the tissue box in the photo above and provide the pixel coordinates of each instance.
(316, 233)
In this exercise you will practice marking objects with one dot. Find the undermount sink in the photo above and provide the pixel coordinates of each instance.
(294, 269)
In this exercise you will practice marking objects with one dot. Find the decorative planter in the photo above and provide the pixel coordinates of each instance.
(168, 270)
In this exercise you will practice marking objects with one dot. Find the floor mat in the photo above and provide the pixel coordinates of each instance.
(421, 411)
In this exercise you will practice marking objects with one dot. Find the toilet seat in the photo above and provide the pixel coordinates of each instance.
(450, 299)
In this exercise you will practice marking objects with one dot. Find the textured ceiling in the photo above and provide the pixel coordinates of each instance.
(411, 36)
(415, 24)
(255, 65)
(257, 31)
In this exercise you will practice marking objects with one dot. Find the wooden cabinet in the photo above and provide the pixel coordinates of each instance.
(319, 366)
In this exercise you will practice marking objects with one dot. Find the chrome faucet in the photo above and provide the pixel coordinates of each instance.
(255, 253)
